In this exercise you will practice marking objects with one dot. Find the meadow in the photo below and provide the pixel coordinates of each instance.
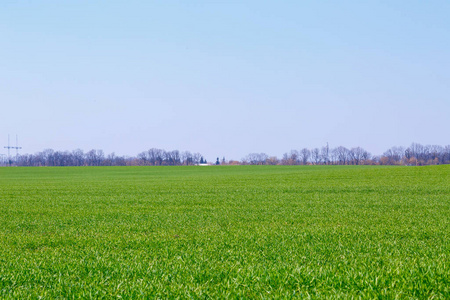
(225, 232)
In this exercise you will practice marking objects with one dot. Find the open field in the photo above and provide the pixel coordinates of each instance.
(246, 231)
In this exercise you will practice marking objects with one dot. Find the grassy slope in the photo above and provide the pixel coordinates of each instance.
(228, 231)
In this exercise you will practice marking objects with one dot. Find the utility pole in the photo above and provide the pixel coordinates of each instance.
(17, 150)
(11, 147)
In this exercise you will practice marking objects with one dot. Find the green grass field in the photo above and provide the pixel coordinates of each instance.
(225, 232)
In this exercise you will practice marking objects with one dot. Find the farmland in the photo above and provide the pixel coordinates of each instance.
(225, 231)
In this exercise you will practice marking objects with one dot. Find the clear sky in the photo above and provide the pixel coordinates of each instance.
(224, 78)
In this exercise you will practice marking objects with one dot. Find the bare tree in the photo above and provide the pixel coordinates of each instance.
(315, 156)
(342, 155)
(144, 158)
(95, 157)
(187, 158)
(416, 154)
(305, 154)
(156, 156)
(291, 158)
(294, 157)
(196, 158)
(255, 159)
(78, 157)
(325, 154)
(394, 155)
(273, 160)
(357, 155)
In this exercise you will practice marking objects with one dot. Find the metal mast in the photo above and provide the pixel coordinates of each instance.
(17, 149)
(11, 147)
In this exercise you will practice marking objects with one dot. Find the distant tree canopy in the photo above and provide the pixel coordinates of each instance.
(152, 157)
(414, 155)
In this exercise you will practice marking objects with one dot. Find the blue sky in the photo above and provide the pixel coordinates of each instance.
(224, 78)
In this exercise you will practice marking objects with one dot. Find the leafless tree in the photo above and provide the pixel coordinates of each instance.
(256, 159)
(285, 159)
(305, 154)
(357, 154)
(196, 157)
(315, 155)
(325, 154)
(273, 160)
(187, 158)
(78, 157)
(294, 157)
(394, 155)
(416, 154)
(95, 157)
(341, 154)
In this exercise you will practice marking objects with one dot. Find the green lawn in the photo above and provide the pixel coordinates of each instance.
(225, 231)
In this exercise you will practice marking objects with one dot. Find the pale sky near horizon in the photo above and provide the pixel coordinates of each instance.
(224, 78)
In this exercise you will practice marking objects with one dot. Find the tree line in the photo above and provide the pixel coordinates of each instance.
(152, 157)
(414, 155)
